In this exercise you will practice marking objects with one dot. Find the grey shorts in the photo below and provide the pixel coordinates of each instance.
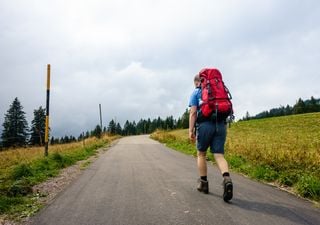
(211, 134)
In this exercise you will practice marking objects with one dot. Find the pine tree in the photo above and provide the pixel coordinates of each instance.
(118, 129)
(97, 132)
(299, 107)
(185, 119)
(247, 116)
(126, 128)
(112, 127)
(312, 105)
(38, 126)
(15, 126)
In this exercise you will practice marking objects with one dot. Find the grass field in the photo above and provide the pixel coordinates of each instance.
(22, 168)
(284, 150)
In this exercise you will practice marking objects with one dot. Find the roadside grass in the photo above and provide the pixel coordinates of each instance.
(21, 169)
(281, 150)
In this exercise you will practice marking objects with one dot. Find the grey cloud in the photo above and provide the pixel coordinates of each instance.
(138, 58)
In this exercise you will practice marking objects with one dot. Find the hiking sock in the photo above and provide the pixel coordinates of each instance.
(226, 174)
(203, 178)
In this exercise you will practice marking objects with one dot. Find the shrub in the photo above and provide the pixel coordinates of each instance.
(21, 171)
(266, 173)
(20, 188)
(309, 186)
(7, 202)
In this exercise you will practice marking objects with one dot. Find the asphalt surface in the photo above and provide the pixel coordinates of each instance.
(139, 181)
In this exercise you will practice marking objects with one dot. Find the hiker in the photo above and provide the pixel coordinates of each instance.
(210, 132)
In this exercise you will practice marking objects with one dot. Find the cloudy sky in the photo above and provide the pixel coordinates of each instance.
(137, 58)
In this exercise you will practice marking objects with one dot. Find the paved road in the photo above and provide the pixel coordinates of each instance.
(139, 181)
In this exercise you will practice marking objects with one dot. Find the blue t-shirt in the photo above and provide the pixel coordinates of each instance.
(195, 98)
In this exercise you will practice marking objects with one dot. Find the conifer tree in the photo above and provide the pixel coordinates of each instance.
(118, 129)
(299, 107)
(97, 132)
(185, 119)
(112, 127)
(38, 125)
(15, 126)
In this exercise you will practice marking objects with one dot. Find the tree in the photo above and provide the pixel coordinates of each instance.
(312, 105)
(112, 127)
(299, 107)
(126, 128)
(38, 126)
(247, 116)
(97, 132)
(169, 123)
(54, 141)
(118, 129)
(15, 126)
(185, 119)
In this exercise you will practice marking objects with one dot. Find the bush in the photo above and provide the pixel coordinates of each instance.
(266, 173)
(308, 186)
(21, 171)
(62, 160)
(20, 188)
(289, 178)
(7, 202)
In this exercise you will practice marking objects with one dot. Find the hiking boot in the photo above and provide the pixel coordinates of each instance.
(203, 186)
(227, 189)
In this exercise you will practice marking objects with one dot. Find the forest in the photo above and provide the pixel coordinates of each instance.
(17, 133)
(301, 106)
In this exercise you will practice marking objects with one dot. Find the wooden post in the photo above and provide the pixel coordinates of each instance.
(100, 117)
(46, 141)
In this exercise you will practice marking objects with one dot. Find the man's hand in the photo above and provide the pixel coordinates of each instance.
(192, 137)
(192, 122)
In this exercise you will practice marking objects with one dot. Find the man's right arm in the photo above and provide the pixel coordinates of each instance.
(192, 122)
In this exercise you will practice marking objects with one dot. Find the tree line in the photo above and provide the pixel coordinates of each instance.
(16, 132)
(301, 106)
(147, 126)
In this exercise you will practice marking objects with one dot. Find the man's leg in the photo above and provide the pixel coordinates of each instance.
(227, 182)
(221, 162)
(202, 168)
(202, 164)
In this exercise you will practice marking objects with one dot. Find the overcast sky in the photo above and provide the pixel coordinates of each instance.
(137, 58)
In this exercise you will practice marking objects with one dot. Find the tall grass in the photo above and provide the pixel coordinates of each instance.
(285, 150)
(12, 157)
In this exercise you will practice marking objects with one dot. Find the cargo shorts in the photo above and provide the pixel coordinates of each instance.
(213, 135)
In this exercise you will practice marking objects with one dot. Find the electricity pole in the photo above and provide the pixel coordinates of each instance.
(100, 117)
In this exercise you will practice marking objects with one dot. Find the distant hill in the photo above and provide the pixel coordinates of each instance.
(301, 106)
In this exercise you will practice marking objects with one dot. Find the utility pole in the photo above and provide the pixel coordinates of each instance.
(46, 139)
(100, 117)
(83, 139)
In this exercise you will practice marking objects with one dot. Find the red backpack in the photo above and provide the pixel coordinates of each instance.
(215, 96)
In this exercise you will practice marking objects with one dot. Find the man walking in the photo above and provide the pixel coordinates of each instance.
(208, 133)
